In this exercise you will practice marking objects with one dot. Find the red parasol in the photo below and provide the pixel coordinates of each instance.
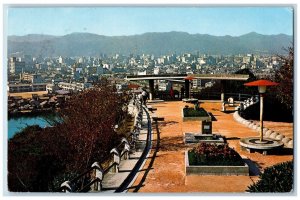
(261, 83)
(189, 78)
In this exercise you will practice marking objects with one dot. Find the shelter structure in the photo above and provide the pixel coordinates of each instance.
(183, 79)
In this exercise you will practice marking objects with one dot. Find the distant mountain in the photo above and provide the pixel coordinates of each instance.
(87, 44)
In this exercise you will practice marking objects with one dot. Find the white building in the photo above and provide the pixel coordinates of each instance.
(156, 71)
(74, 86)
(142, 73)
(27, 87)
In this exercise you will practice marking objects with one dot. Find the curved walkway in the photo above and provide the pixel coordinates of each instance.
(167, 172)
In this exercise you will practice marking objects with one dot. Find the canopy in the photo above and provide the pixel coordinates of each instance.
(261, 83)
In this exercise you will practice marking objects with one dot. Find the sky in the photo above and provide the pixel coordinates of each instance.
(117, 21)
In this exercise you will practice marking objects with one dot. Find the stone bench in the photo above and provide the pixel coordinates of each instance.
(150, 108)
(156, 118)
(227, 104)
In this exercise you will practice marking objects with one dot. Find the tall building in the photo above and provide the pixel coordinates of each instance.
(32, 78)
(15, 67)
(60, 60)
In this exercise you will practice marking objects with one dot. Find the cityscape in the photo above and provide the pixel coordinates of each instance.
(138, 105)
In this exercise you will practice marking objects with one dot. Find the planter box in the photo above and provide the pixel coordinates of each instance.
(206, 117)
(214, 170)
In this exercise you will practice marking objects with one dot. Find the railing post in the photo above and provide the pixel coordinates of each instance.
(116, 160)
(126, 148)
(66, 186)
(99, 175)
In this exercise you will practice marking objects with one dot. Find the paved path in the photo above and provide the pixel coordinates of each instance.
(167, 174)
(112, 181)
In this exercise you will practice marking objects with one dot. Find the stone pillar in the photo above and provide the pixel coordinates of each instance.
(116, 160)
(151, 92)
(187, 88)
(98, 171)
(223, 86)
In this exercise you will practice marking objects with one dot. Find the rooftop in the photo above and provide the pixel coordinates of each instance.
(168, 171)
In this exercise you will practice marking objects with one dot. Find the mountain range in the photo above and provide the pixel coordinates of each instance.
(87, 44)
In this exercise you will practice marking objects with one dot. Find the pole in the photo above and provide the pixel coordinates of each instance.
(261, 116)
(187, 88)
(190, 89)
(151, 87)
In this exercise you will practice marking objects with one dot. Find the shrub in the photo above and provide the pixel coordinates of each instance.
(29, 166)
(213, 154)
(59, 179)
(278, 178)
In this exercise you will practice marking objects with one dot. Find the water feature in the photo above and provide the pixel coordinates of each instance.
(17, 124)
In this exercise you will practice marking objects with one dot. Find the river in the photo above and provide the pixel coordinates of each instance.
(17, 124)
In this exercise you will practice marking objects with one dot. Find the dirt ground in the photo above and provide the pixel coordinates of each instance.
(26, 95)
(164, 171)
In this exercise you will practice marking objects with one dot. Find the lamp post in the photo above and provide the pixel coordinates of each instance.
(262, 87)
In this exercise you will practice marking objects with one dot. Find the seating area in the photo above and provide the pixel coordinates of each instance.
(229, 104)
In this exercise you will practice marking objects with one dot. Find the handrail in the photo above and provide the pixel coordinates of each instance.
(68, 186)
(86, 188)
(139, 163)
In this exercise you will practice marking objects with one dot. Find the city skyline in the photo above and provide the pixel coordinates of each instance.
(119, 21)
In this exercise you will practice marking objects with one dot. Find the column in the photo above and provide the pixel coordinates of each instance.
(151, 92)
(187, 88)
(223, 86)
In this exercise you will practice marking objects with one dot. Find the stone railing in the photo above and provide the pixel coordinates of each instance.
(91, 179)
(288, 142)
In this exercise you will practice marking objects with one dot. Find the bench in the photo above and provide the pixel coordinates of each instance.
(150, 108)
(229, 103)
(156, 118)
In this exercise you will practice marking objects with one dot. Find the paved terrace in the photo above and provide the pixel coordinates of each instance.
(167, 173)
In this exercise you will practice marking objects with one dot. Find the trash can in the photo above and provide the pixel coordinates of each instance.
(206, 127)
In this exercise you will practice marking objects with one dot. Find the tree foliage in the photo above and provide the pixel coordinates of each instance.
(84, 134)
(284, 76)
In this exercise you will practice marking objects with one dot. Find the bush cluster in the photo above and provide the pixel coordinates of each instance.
(213, 154)
(277, 178)
(84, 133)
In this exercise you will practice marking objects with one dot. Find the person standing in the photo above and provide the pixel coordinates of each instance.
(144, 96)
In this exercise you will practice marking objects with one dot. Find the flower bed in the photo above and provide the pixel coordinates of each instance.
(215, 159)
(210, 154)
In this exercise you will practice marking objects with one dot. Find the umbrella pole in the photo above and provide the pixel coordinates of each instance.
(261, 116)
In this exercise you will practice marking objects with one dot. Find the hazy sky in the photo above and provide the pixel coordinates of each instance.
(115, 21)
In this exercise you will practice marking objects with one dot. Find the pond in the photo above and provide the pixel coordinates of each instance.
(17, 124)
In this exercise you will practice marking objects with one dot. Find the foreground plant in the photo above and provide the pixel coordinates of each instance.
(277, 178)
